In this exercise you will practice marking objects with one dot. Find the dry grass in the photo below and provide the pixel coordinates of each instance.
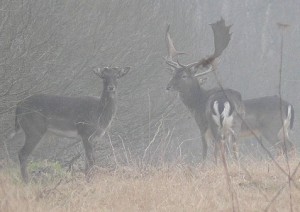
(176, 188)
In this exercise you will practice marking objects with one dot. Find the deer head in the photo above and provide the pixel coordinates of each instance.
(109, 76)
(186, 75)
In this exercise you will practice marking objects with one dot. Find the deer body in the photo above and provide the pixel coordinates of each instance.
(224, 114)
(195, 98)
(67, 116)
(198, 100)
(184, 80)
(74, 117)
(270, 118)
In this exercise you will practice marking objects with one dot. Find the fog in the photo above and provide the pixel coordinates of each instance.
(50, 46)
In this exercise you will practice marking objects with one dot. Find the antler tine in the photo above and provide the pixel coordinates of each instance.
(212, 68)
(204, 73)
(172, 52)
(96, 69)
(171, 63)
(181, 65)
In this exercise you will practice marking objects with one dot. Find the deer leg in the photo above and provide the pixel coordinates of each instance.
(235, 148)
(216, 151)
(34, 127)
(30, 143)
(222, 144)
(285, 144)
(291, 148)
(206, 137)
(276, 141)
(204, 144)
(89, 154)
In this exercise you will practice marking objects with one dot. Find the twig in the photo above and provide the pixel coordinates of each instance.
(282, 27)
(228, 180)
(126, 155)
(281, 189)
(113, 149)
(72, 161)
(152, 140)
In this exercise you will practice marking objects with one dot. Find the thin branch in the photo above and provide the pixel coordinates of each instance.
(282, 27)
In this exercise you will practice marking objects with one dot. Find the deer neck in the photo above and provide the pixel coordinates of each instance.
(107, 108)
(194, 98)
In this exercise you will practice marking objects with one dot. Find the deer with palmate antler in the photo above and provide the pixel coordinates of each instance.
(217, 112)
(81, 117)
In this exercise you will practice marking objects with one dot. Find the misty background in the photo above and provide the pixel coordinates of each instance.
(50, 46)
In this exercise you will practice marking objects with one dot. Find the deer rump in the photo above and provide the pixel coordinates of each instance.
(225, 111)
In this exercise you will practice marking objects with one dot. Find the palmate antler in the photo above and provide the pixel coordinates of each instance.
(222, 37)
(221, 40)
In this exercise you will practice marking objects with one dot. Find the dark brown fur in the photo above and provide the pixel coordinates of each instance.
(87, 116)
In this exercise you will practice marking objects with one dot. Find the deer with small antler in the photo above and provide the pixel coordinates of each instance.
(82, 117)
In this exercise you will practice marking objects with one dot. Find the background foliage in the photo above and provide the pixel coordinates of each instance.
(50, 47)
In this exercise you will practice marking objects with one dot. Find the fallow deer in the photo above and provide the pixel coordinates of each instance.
(83, 117)
(217, 112)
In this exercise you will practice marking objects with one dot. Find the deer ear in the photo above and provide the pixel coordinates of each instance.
(203, 80)
(123, 72)
(170, 70)
(193, 70)
(100, 72)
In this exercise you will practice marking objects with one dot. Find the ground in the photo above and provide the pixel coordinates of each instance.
(255, 186)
